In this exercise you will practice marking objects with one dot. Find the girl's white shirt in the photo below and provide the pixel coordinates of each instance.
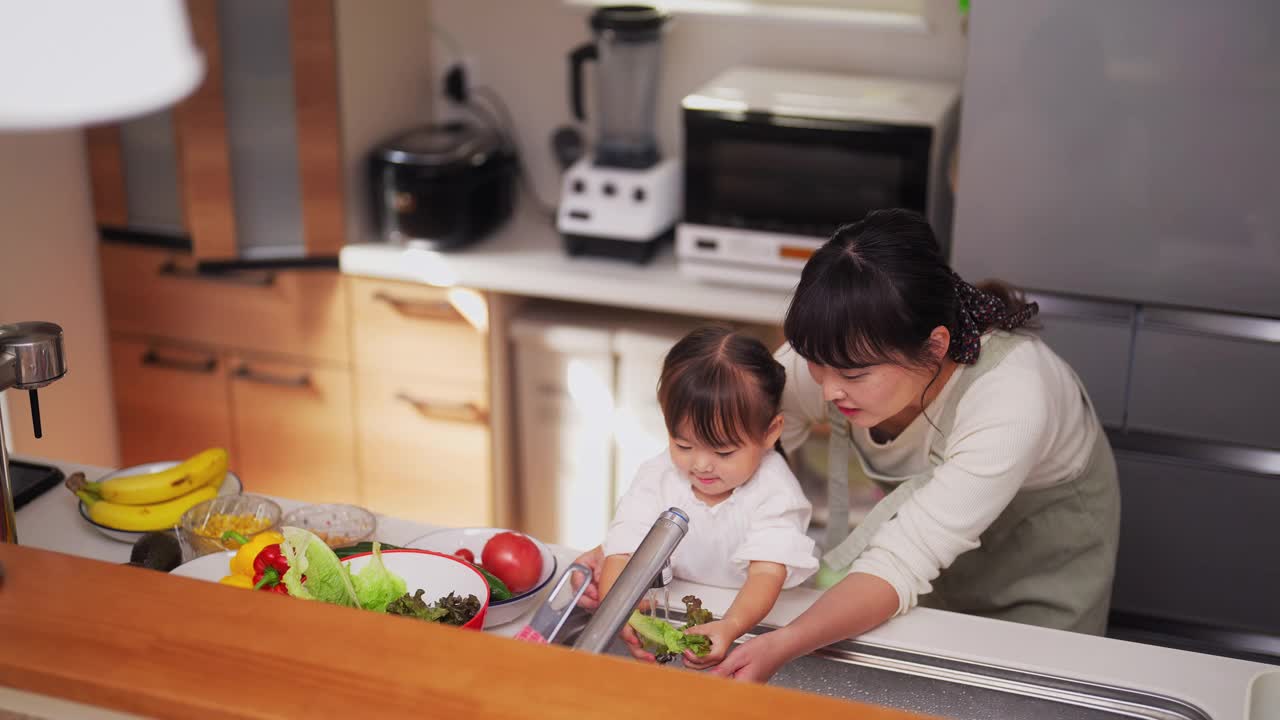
(763, 519)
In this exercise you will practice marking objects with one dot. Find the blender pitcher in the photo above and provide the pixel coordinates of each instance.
(627, 47)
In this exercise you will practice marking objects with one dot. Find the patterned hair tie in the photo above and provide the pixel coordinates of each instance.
(979, 311)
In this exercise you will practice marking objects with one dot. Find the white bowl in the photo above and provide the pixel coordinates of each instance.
(231, 485)
(501, 612)
(437, 573)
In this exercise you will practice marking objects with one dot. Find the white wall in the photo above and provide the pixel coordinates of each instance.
(49, 271)
(520, 49)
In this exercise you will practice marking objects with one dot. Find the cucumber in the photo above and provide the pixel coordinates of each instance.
(498, 590)
(359, 548)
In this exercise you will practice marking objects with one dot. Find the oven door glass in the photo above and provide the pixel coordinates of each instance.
(802, 177)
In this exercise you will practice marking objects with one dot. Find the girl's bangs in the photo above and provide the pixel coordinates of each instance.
(709, 403)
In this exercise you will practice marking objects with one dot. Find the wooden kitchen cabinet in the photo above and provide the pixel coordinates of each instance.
(264, 161)
(158, 292)
(170, 399)
(425, 417)
(424, 451)
(293, 427)
(411, 329)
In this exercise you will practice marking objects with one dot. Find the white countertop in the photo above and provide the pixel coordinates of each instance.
(526, 258)
(1218, 686)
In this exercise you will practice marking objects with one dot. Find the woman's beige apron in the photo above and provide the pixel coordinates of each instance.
(1047, 560)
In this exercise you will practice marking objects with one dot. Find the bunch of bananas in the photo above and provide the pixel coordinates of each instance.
(153, 501)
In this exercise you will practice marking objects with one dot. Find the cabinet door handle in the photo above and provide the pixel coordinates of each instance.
(265, 278)
(153, 358)
(244, 372)
(456, 412)
(422, 309)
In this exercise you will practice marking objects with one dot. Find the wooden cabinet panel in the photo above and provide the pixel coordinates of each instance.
(155, 292)
(204, 155)
(314, 44)
(293, 429)
(424, 451)
(106, 174)
(171, 401)
(416, 330)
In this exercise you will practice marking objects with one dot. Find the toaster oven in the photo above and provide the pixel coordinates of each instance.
(776, 160)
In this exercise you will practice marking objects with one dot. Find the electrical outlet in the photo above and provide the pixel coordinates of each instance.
(456, 85)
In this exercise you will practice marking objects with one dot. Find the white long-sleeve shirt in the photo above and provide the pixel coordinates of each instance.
(1023, 424)
(763, 519)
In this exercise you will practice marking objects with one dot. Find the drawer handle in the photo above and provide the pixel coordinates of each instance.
(244, 372)
(154, 359)
(265, 278)
(424, 309)
(457, 412)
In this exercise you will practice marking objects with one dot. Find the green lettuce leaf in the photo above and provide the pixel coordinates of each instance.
(665, 640)
(327, 578)
(376, 586)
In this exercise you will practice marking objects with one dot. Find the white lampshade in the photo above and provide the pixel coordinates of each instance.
(79, 62)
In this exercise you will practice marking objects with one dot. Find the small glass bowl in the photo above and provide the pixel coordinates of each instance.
(337, 525)
(204, 524)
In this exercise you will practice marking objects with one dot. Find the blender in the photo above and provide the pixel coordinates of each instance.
(622, 198)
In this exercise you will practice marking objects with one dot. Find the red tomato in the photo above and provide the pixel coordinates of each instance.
(465, 554)
(514, 559)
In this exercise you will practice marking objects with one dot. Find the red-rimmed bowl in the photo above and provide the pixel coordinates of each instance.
(437, 573)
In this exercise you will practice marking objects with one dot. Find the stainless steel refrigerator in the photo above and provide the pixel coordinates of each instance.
(1122, 161)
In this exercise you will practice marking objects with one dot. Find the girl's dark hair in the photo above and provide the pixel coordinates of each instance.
(875, 291)
(725, 385)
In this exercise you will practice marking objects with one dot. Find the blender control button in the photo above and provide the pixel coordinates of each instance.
(638, 194)
(579, 186)
(610, 189)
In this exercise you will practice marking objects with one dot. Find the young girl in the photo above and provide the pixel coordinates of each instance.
(720, 394)
(1003, 499)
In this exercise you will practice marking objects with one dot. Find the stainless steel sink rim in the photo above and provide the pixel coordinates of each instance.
(1129, 703)
(1123, 702)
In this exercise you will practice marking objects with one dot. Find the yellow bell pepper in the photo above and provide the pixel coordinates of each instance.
(242, 561)
(240, 581)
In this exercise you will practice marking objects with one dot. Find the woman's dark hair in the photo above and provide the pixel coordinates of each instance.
(875, 291)
(721, 385)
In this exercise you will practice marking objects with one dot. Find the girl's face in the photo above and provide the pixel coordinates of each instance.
(870, 395)
(714, 472)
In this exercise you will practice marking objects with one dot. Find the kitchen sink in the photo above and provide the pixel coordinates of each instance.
(945, 687)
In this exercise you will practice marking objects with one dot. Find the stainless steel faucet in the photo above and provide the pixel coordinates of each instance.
(31, 357)
(648, 567)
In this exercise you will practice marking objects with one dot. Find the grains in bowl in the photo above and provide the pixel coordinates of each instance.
(217, 524)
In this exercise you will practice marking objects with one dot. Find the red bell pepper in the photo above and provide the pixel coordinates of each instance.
(269, 568)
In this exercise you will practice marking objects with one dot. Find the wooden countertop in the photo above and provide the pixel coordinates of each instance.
(145, 642)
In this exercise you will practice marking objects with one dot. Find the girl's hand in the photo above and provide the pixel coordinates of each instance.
(594, 559)
(722, 635)
(757, 659)
(632, 641)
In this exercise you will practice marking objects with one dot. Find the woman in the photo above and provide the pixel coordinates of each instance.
(1002, 494)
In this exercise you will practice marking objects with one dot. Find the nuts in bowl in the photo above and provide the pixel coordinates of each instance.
(338, 525)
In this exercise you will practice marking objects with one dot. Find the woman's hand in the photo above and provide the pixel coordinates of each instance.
(757, 659)
(594, 559)
(722, 635)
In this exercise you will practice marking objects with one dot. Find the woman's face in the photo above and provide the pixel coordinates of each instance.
(871, 395)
